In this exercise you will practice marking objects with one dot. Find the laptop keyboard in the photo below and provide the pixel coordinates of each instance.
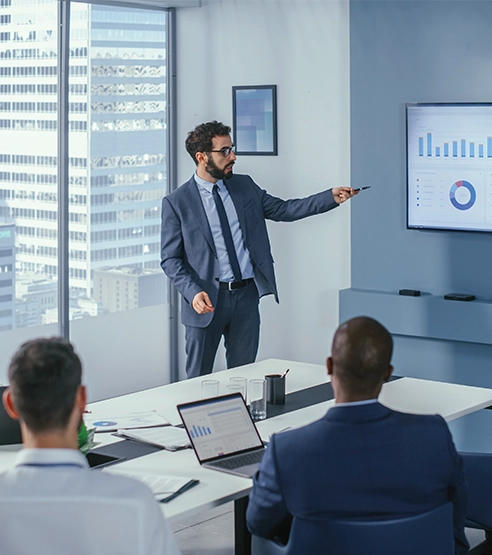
(241, 460)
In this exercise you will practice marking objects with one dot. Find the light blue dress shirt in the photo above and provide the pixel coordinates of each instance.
(225, 270)
(356, 403)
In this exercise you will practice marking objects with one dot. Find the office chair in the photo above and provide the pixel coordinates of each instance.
(478, 472)
(429, 533)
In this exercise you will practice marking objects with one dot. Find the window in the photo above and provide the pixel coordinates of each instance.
(117, 102)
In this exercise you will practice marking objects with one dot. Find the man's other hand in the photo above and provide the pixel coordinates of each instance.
(341, 194)
(201, 303)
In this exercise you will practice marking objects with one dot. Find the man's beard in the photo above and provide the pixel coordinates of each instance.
(216, 172)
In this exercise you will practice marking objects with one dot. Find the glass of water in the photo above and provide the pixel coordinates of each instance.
(257, 399)
(240, 384)
(210, 388)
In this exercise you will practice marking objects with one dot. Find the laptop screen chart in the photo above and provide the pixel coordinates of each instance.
(220, 428)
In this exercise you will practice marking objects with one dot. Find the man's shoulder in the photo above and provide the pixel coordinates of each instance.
(117, 485)
(240, 177)
(182, 191)
(82, 483)
(432, 420)
(373, 415)
(241, 182)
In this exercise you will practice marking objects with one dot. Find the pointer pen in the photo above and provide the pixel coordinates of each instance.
(181, 490)
(362, 188)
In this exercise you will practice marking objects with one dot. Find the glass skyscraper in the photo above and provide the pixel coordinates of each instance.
(117, 152)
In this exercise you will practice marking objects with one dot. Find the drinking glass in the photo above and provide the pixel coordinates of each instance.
(243, 382)
(235, 388)
(210, 388)
(257, 399)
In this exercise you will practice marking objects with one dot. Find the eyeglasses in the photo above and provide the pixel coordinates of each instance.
(226, 151)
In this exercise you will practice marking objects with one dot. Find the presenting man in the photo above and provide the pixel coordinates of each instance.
(362, 459)
(216, 251)
(51, 502)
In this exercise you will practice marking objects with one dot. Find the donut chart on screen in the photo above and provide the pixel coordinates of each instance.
(455, 188)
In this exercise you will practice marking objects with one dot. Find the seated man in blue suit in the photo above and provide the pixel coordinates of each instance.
(216, 252)
(362, 459)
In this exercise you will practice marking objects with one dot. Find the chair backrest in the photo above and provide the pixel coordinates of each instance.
(429, 533)
(478, 472)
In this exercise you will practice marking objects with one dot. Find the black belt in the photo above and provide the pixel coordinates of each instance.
(232, 285)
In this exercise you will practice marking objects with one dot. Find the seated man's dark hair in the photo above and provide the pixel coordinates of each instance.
(200, 139)
(361, 354)
(44, 376)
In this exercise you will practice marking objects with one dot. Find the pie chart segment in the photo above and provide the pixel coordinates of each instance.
(462, 195)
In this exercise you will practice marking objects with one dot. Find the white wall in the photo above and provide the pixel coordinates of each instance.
(302, 46)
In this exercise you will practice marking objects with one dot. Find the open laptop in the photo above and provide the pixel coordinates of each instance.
(223, 434)
(10, 432)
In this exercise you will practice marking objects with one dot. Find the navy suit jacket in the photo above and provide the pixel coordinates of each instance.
(366, 462)
(188, 255)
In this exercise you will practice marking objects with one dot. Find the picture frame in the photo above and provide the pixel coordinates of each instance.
(254, 116)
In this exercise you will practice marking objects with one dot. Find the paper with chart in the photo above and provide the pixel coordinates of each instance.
(159, 485)
(107, 422)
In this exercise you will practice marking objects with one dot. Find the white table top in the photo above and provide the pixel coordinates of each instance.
(215, 488)
(164, 399)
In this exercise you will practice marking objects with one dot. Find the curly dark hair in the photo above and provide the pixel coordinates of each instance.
(44, 376)
(200, 139)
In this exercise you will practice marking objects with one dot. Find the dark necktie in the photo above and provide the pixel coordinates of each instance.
(226, 233)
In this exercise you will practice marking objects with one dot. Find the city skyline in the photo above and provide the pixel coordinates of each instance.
(117, 143)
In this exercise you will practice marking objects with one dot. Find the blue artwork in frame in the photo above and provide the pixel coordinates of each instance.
(254, 111)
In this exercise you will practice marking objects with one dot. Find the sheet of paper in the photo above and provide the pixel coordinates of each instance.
(157, 484)
(133, 420)
(166, 436)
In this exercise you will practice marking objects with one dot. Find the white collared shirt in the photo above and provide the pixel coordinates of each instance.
(356, 403)
(51, 503)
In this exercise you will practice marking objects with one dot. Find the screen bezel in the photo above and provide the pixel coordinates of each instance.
(407, 191)
(211, 400)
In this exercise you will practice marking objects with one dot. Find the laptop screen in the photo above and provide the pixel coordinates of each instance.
(219, 426)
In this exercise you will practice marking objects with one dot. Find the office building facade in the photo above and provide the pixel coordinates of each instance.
(117, 140)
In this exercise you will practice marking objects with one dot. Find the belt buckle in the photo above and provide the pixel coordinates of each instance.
(230, 285)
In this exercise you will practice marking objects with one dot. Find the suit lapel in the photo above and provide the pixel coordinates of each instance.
(196, 205)
(237, 196)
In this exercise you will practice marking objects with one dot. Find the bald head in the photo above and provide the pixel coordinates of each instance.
(360, 358)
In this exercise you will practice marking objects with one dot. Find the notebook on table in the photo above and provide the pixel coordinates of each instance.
(223, 434)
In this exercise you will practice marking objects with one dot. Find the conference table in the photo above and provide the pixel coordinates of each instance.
(216, 488)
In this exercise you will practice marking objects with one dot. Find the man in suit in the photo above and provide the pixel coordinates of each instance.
(50, 501)
(362, 459)
(216, 252)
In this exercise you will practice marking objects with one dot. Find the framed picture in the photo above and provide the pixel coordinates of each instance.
(254, 116)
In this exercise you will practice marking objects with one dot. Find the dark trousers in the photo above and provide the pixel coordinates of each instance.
(237, 318)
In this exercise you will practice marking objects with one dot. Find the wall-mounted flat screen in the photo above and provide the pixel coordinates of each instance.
(449, 166)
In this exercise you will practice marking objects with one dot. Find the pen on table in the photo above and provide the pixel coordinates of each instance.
(181, 490)
(285, 373)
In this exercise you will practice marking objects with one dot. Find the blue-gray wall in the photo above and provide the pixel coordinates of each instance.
(418, 51)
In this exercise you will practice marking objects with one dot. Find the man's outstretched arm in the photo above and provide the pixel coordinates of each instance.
(290, 210)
